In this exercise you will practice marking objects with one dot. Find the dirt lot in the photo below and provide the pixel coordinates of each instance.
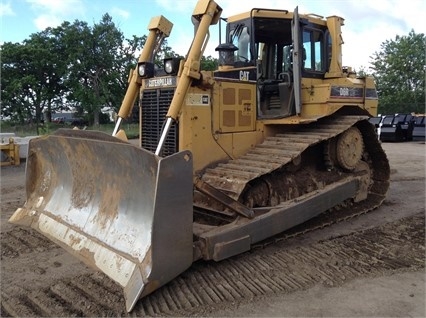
(369, 266)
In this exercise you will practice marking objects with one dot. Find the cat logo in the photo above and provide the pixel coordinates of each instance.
(244, 75)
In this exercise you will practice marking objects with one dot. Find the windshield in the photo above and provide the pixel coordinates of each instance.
(240, 37)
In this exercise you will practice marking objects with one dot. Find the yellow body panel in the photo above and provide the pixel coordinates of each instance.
(195, 131)
(219, 122)
(237, 107)
(214, 131)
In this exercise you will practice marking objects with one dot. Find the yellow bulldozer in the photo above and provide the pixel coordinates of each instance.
(276, 136)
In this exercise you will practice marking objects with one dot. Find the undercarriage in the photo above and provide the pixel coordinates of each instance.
(334, 165)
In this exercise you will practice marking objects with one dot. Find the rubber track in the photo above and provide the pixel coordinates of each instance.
(207, 286)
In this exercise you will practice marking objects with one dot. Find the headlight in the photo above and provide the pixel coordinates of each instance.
(146, 69)
(142, 70)
(168, 66)
(171, 65)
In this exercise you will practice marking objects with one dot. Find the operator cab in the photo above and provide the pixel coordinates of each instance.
(261, 46)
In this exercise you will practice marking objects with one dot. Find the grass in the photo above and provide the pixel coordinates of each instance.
(132, 130)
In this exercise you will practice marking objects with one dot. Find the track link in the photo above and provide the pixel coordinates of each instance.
(285, 149)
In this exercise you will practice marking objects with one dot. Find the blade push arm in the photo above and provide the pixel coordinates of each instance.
(159, 29)
(207, 12)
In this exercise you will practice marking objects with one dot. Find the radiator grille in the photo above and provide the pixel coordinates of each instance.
(154, 107)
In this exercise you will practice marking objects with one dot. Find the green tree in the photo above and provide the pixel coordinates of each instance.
(99, 63)
(73, 66)
(31, 78)
(399, 71)
(209, 63)
(92, 54)
(128, 51)
(14, 102)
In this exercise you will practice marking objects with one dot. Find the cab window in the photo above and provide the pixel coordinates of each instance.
(313, 52)
(240, 37)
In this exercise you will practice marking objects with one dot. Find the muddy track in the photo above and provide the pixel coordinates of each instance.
(209, 286)
(285, 149)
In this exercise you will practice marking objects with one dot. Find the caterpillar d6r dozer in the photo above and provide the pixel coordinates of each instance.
(277, 135)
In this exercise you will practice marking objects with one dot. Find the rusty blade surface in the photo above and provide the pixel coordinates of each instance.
(119, 208)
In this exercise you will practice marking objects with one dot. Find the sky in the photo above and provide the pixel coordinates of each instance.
(368, 23)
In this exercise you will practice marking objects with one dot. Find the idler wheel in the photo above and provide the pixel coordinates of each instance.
(349, 148)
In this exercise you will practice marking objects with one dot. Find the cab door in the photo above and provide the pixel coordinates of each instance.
(297, 61)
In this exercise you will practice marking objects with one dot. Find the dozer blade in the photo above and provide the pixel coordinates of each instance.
(119, 208)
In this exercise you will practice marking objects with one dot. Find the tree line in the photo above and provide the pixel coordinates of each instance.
(399, 69)
(73, 66)
(86, 68)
